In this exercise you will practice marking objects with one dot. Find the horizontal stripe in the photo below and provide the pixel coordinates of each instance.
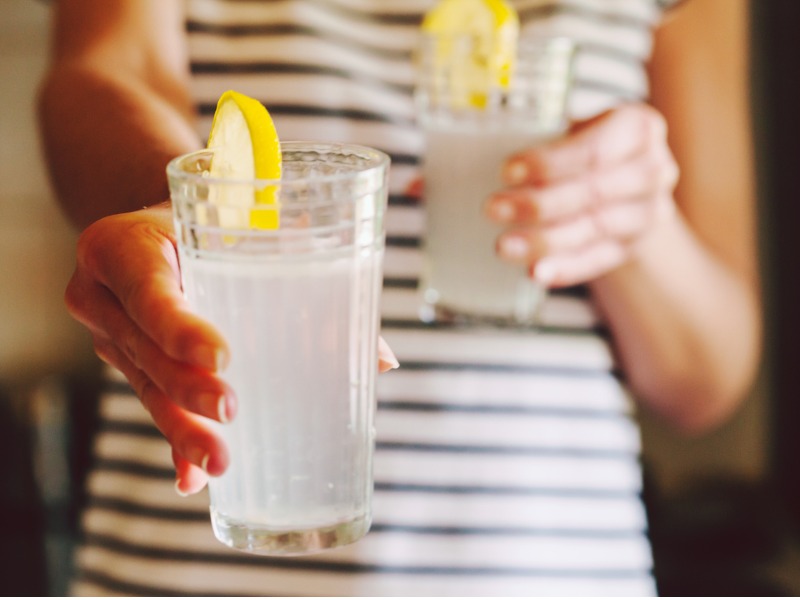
(143, 430)
(491, 409)
(406, 507)
(413, 18)
(591, 453)
(632, 41)
(150, 432)
(409, 324)
(499, 343)
(606, 16)
(422, 404)
(245, 26)
(412, 283)
(613, 57)
(407, 283)
(108, 583)
(545, 392)
(249, 9)
(134, 468)
(179, 554)
(211, 77)
(404, 200)
(594, 332)
(272, 30)
(298, 109)
(137, 469)
(608, 88)
(403, 241)
(329, 49)
(99, 582)
(229, 68)
(503, 350)
(318, 111)
(126, 507)
(424, 462)
(499, 433)
(523, 388)
(410, 19)
(540, 471)
(565, 371)
(635, 11)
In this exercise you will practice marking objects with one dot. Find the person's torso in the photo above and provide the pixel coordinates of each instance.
(506, 461)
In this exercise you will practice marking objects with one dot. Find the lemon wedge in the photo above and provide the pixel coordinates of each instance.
(246, 147)
(493, 26)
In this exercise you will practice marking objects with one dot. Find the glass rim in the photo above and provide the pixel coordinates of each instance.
(525, 39)
(374, 160)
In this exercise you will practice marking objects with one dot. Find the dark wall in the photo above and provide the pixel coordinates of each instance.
(776, 102)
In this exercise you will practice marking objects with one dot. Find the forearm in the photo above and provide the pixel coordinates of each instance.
(107, 139)
(687, 327)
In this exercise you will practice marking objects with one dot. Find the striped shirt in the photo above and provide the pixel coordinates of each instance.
(507, 461)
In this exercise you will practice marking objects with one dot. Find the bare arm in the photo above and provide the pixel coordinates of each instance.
(674, 270)
(685, 310)
(114, 109)
(114, 106)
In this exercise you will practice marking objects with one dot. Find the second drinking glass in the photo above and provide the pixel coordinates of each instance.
(471, 127)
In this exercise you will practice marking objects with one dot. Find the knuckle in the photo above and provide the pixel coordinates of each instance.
(73, 298)
(93, 241)
(149, 397)
(661, 167)
(654, 121)
(671, 172)
(137, 295)
(132, 349)
(104, 350)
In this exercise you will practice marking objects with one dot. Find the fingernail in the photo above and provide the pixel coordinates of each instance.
(516, 172)
(388, 365)
(386, 355)
(209, 357)
(204, 462)
(500, 209)
(514, 246)
(544, 272)
(206, 400)
(179, 491)
(222, 409)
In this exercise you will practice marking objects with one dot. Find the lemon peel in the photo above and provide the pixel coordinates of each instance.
(493, 26)
(246, 147)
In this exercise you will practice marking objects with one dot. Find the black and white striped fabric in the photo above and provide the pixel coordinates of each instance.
(507, 461)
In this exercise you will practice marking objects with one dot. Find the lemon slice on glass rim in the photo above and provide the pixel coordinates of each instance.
(246, 147)
(493, 26)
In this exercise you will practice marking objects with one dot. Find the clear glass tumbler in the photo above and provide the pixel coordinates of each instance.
(468, 136)
(299, 307)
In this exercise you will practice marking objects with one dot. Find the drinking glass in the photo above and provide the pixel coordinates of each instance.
(470, 128)
(298, 305)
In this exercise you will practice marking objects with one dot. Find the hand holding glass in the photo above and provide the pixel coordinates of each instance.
(466, 146)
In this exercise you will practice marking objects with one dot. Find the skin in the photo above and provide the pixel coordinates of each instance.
(673, 268)
(601, 206)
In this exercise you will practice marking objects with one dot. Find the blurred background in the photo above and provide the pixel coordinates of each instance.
(724, 507)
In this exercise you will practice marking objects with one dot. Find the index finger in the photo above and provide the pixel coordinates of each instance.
(134, 256)
(608, 139)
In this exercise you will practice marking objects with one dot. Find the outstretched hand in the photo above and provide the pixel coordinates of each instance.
(126, 290)
(575, 208)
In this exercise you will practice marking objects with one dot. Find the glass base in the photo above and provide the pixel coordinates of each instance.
(526, 316)
(256, 539)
